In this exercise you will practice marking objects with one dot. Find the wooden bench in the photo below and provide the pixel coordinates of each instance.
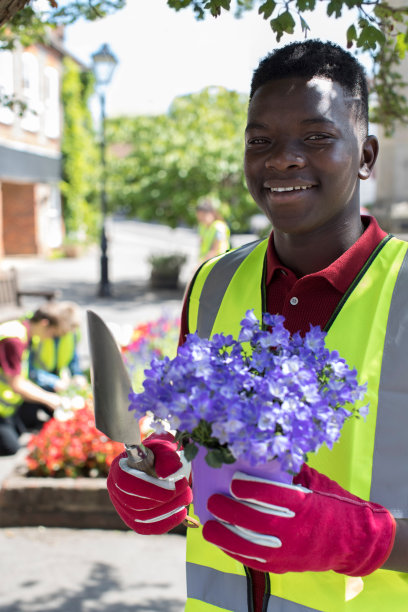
(11, 306)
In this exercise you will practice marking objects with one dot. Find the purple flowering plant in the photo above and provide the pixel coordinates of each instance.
(267, 395)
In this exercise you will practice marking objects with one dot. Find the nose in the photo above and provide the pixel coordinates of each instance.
(284, 156)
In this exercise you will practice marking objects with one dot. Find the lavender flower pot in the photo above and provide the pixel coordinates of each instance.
(208, 480)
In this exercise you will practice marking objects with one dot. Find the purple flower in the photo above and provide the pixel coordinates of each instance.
(266, 395)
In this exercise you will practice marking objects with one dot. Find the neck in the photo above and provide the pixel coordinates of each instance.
(309, 253)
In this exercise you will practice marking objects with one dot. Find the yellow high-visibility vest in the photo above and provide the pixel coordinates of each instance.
(208, 234)
(370, 330)
(48, 355)
(9, 400)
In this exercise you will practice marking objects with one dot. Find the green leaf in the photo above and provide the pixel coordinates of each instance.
(190, 451)
(304, 25)
(351, 3)
(401, 45)
(370, 37)
(214, 458)
(267, 8)
(283, 23)
(335, 7)
(351, 34)
(305, 5)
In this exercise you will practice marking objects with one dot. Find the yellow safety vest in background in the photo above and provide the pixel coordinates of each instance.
(370, 330)
(53, 357)
(208, 234)
(9, 400)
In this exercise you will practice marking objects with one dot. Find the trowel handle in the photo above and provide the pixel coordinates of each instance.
(141, 458)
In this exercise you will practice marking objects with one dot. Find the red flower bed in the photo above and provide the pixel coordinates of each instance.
(71, 448)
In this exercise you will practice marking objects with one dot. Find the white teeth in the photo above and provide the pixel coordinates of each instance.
(279, 189)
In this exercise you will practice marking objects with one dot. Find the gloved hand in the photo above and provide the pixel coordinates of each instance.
(280, 528)
(146, 504)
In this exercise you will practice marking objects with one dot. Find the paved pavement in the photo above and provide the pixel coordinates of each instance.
(68, 570)
(71, 570)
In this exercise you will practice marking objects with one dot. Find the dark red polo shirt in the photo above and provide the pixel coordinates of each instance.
(11, 354)
(310, 299)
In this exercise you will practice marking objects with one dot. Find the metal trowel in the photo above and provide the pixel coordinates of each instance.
(111, 387)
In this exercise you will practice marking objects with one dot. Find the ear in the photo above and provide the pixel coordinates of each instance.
(369, 155)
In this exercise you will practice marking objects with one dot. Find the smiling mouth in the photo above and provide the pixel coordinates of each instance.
(294, 188)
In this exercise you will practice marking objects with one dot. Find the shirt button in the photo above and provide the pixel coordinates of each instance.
(294, 301)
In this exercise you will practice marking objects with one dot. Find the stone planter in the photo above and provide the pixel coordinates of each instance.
(78, 503)
(164, 280)
(56, 502)
(165, 270)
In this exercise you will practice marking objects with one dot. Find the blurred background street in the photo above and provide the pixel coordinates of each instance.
(132, 301)
(86, 570)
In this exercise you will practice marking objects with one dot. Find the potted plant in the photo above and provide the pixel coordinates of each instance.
(165, 270)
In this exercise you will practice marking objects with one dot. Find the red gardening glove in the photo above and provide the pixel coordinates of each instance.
(280, 528)
(146, 504)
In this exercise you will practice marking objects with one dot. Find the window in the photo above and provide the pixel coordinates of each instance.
(51, 102)
(6, 85)
(31, 92)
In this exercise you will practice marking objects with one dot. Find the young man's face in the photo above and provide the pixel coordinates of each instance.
(304, 154)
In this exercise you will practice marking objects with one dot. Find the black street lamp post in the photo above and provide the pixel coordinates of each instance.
(104, 63)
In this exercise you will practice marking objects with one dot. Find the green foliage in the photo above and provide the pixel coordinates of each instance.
(80, 155)
(172, 160)
(168, 264)
(378, 28)
(391, 99)
(31, 24)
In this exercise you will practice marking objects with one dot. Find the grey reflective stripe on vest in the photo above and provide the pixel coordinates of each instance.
(277, 604)
(389, 485)
(216, 284)
(226, 591)
(229, 591)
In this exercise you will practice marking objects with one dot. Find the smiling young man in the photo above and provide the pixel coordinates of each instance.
(342, 534)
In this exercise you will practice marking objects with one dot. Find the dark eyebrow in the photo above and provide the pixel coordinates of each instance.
(319, 119)
(255, 126)
(312, 120)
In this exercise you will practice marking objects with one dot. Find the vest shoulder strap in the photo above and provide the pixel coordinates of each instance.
(209, 285)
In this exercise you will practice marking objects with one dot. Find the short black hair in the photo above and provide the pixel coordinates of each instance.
(314, 58)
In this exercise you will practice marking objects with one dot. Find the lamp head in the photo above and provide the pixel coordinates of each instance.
(104, 64)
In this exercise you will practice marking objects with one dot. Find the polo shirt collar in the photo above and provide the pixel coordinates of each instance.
(343, 270)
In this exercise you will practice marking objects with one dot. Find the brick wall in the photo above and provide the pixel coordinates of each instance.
(19, 217)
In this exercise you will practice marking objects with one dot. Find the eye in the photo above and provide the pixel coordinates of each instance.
(319, 137)
(256, 140)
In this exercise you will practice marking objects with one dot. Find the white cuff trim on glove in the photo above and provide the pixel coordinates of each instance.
(269, 508)
(255, 538)
(156, 519)
(167, 483)
(248, 478)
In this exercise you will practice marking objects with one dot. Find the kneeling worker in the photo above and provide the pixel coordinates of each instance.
(20, 398)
